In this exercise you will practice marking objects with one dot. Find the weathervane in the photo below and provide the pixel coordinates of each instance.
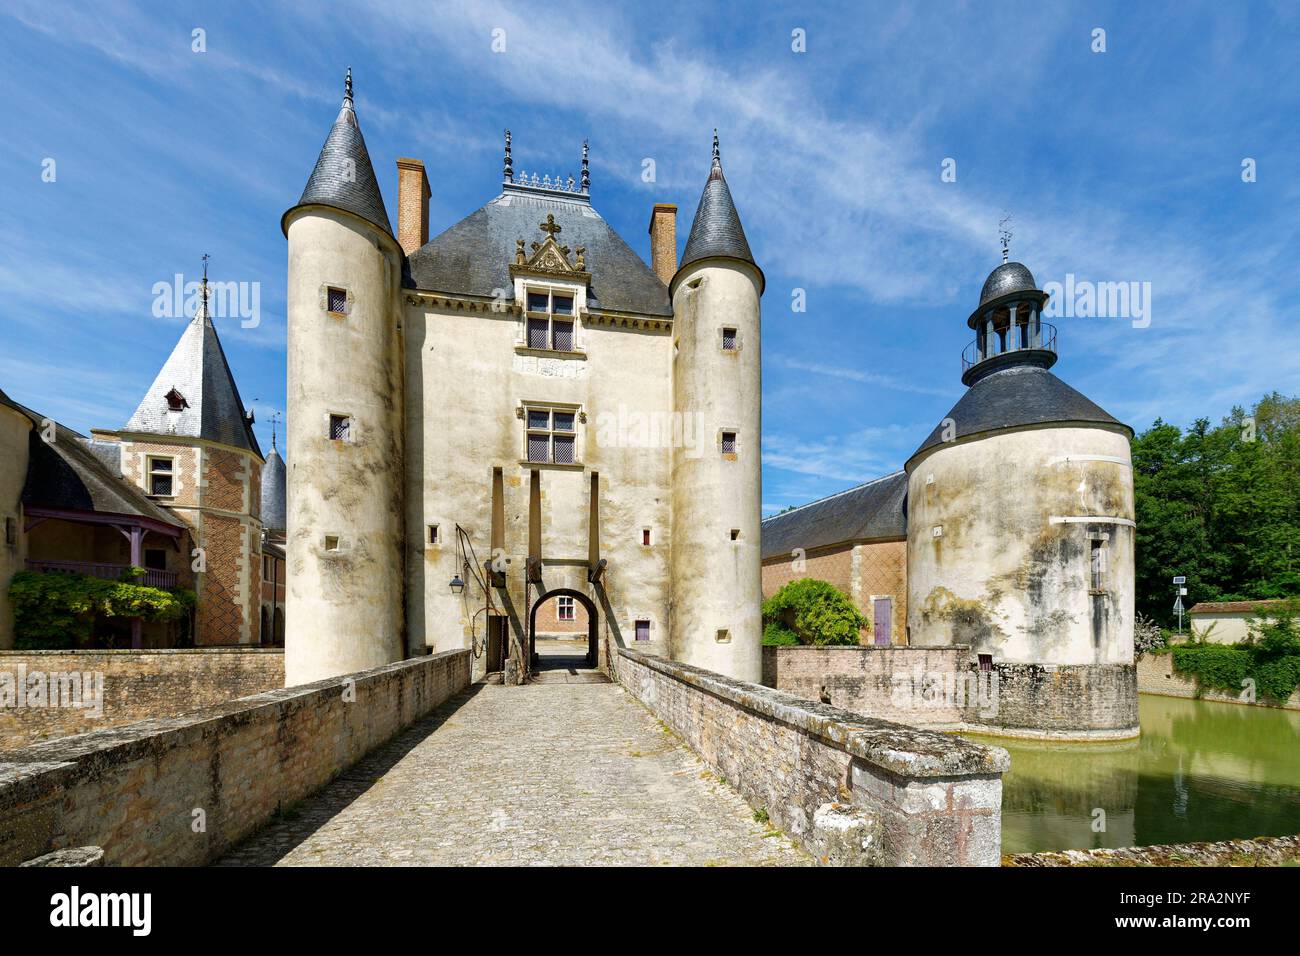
(1004, 233)
(509, 170)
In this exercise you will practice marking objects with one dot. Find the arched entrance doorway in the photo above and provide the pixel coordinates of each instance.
(563, 611)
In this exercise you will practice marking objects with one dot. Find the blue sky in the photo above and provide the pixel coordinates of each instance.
(1117, 166)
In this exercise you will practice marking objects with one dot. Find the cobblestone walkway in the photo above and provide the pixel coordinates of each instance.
(550, 773)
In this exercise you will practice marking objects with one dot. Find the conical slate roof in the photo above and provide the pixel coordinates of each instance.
(1016, 397)
(343, 177)
(273, 492)
(716, 231)
(207, 400)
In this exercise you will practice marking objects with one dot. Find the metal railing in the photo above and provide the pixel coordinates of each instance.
(1019, 339)
(153, 577)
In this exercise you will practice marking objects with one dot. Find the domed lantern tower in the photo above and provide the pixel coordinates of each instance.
(1020, 530)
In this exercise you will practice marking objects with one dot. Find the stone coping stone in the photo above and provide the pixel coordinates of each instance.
(141, 651)
(83, 755)
(74, 856)
(902, 750)
(795, 649)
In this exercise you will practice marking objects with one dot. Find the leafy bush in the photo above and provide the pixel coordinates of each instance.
(59, 610)
(815, 612)
(776, 634)
(1270, 657)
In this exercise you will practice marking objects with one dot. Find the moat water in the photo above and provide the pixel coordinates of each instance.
(1200, 771)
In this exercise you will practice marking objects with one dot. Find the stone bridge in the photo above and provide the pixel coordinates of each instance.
(412, 763)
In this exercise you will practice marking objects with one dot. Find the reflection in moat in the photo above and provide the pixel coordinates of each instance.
(1201, 771)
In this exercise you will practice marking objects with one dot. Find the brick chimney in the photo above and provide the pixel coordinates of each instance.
(412, 205)
(663, 240)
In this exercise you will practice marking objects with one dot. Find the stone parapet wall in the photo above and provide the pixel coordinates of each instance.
(884, 682)
(944, 688)
(180, 791)
(851, 789)
(1156, 675)
(137, 685)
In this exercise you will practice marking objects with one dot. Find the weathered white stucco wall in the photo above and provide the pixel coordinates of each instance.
(1002, 572)
(469, 375)
(717, 584)
(343, 606)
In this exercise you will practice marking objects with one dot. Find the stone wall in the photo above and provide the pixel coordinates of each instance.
(1067, 701)
(1156, 675)
(943, 688)
(853, 790)
(180, 791)
(885, 682)
(136, 685)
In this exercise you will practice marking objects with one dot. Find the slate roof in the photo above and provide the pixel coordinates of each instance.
(273, 492)
(198, 370)
(473, 257)
(867, 512)
(67, 474)
(1005, 279)
(343, 177)
(1017, 396)
(716, 231)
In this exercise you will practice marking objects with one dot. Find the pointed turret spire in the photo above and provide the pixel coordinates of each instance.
(716, 232)
(194, 393)
(344, 177)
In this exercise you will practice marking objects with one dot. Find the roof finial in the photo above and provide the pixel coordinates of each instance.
(205, 286)
(717, 153)
(1004, 233)
(508, 171)
(347, 88)
(275, 417)
(586, 168)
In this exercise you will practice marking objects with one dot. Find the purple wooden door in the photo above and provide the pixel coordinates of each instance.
(884, 623)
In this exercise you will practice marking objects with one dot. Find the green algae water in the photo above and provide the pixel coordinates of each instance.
(1200, 771)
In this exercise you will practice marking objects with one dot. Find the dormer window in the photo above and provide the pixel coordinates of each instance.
(161, 471)
(550, 320)
(176, 401)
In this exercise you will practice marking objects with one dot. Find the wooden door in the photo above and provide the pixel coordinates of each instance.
(884, 620)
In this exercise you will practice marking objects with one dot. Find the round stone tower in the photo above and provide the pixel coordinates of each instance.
(716, 567)
(1020, 529)
(344, 609)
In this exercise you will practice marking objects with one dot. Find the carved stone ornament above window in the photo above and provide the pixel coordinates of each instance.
(549, 258)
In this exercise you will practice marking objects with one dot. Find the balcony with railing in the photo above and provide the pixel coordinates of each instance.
(1030, 342)
(153, 577)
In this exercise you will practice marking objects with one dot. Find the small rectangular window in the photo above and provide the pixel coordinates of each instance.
(160, 477)
(1098, 564)
(11, 532)
(331, 542)
(986, 662)
(643, 630)
(433, 534)
(728, 340)
(564, 608)
(735, 534)
(340, 427)
(724, 636)
(645, 537)
(551, 436)
(338, 300)
(728, 443)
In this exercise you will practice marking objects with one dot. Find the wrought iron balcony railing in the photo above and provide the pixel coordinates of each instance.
(1021, 338)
